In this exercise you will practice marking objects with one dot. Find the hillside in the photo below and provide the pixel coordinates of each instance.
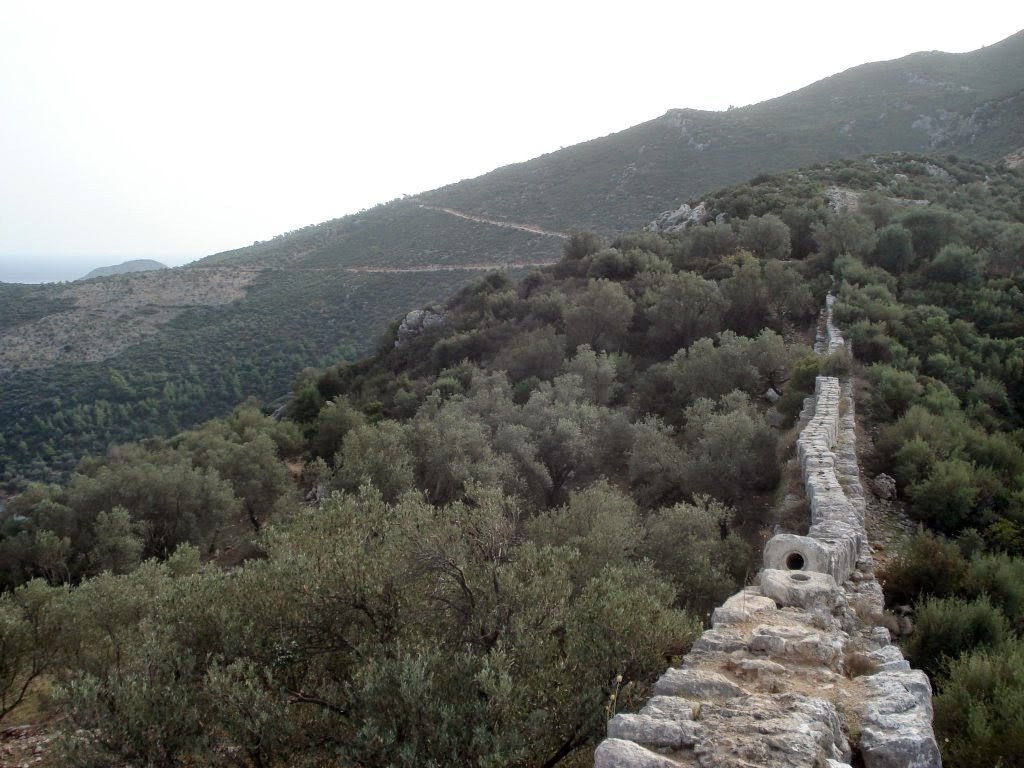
(970, 104)
(148, 355)
(478, 543)
(135, 265)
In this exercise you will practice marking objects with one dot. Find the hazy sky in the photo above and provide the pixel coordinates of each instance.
(179, 129)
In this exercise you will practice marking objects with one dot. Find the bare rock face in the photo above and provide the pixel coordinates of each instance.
(417, 321)
(620, 753)
(842, 199)
(678, 220)
(697, 684)
(655, 731)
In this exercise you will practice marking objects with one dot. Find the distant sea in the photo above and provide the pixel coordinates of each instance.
(58, 267)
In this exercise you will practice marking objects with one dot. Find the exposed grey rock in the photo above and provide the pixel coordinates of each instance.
(417, 321)
(781, 730)
(741, 608)
(879, 636)
(896, 721)
(889, 659)
(699, 684)
(799, 644)
(900, 691)
(804, 589)
(678, 220)
(937, 172)
(758, 669)
(723, 617)
(619, 753)
(653, 731)
(669, 708)
(789, 552)
(912, 745)
(842, 199)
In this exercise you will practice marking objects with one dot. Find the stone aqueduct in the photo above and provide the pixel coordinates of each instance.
(793, 671)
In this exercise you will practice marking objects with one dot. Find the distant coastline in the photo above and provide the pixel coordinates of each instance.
(58, 267)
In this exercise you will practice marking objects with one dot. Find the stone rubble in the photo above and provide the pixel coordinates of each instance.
(792, 668)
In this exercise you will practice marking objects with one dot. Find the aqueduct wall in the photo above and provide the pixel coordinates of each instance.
(793, 671)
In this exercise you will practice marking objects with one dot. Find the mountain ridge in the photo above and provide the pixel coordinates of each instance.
(351, 276)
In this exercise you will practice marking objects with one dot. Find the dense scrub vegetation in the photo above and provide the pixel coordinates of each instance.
(473, 545)
(966, 103)
(203, 364)
(517, 516)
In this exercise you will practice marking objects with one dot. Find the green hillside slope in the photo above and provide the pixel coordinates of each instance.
(971, 104)
(475, 545)
(191, 342)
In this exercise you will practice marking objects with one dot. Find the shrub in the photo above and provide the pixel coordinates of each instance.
(892, 391)
(894, 250)
(927, 565)
(949, 627)
(979, 710)
(1001, 578)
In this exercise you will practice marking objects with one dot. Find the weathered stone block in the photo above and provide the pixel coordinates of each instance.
(669, 708)
(719, 640)
(619, 753)
(654, 731)
(698, 684)
(799, 644)
(802, 589)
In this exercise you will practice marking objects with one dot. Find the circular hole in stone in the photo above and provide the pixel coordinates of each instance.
(795, 561)
(799, 577)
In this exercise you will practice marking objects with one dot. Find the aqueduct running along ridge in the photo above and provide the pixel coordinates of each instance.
(794, 672)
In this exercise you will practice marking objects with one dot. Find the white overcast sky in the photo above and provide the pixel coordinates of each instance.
(179, 129)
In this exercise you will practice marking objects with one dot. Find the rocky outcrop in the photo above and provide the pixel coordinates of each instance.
(417, 321)
(678, 220)
(792, 671)
(842, 200)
